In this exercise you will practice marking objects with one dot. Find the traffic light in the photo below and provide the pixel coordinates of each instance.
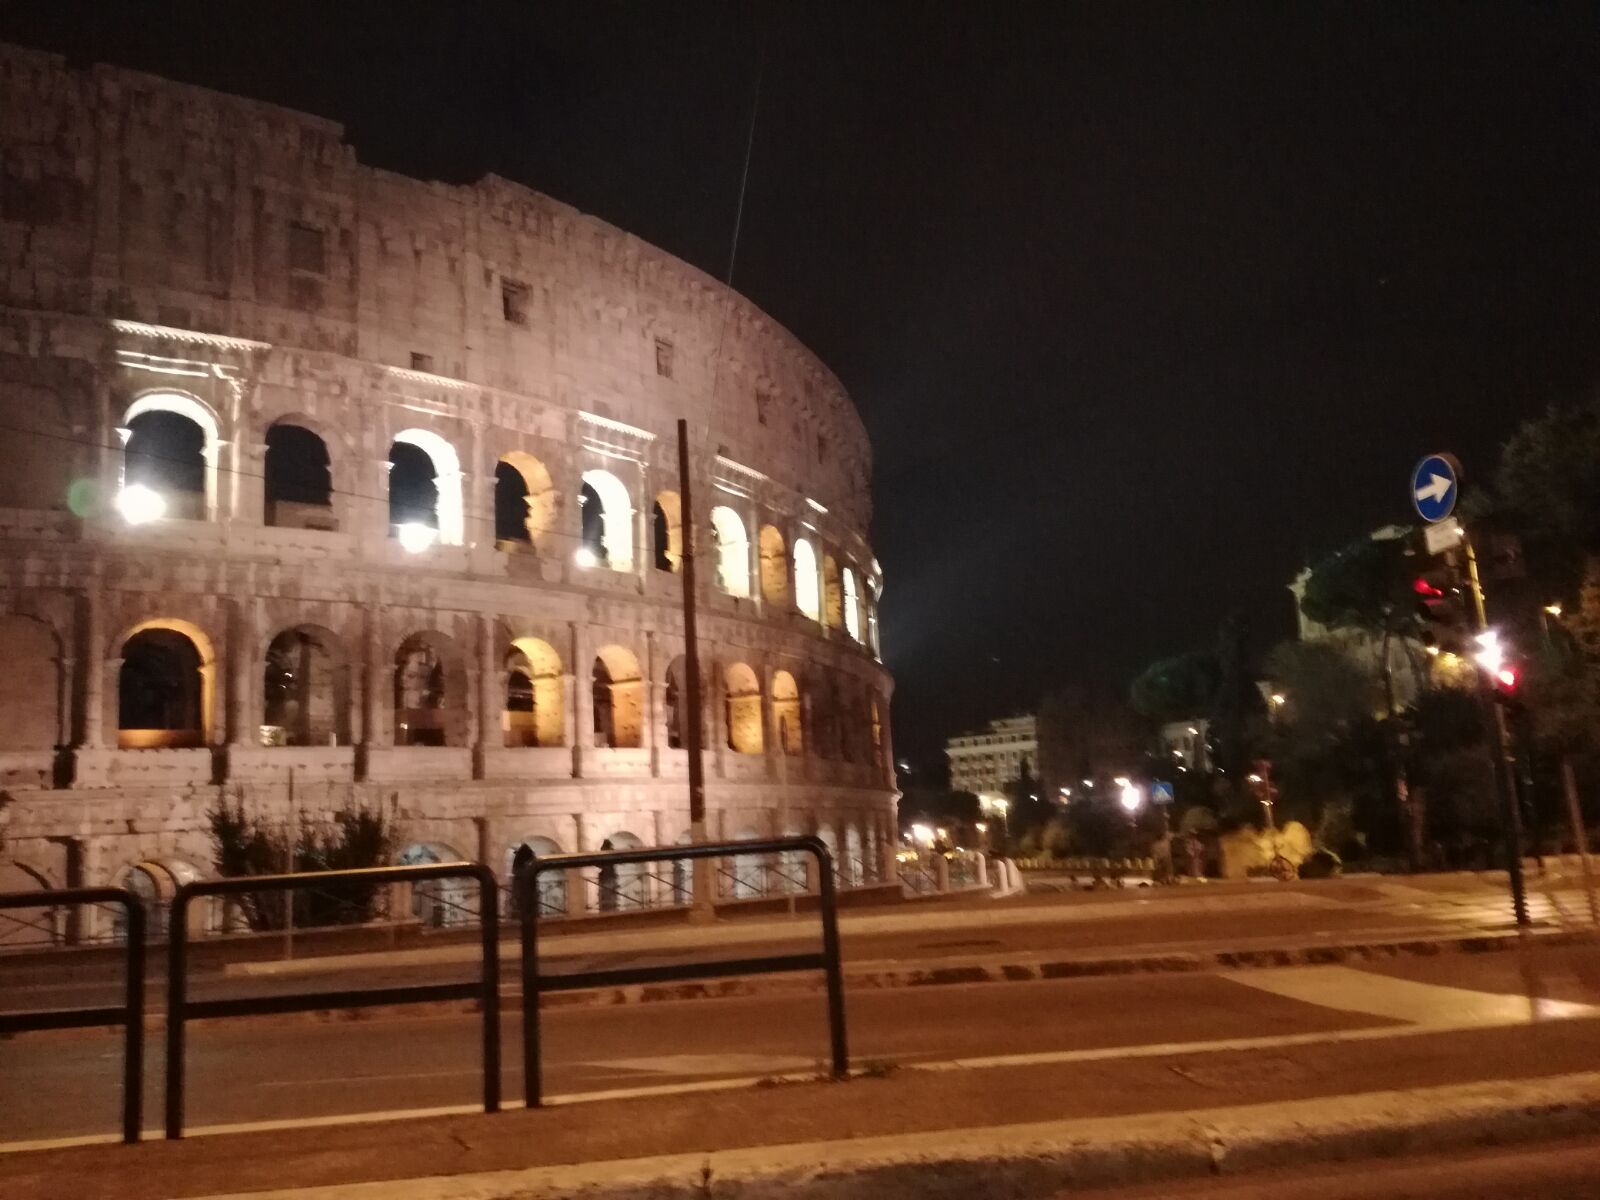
(1441, 610)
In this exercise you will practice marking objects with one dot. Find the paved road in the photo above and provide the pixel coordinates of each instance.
(1051, 925)
(1541, 1171)
(253, 1070)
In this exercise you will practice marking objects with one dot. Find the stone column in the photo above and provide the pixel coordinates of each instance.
(489, 702)
(653, 736)
(373, 726)
(91, 654)
(581, 695)
(715, 695)
(241, 649)
(577, 884)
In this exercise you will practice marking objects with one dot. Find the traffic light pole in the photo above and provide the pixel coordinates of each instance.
(1494, 717)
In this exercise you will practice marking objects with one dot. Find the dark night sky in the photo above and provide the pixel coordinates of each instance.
(1140, 302)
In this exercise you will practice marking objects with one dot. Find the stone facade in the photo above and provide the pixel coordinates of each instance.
(171, 254)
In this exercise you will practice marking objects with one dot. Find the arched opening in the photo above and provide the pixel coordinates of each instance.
(667, 531)
(166, 451)
(161, 690)
(440, 903)
(623, 885)
(552, 885)
(852, 604)
(306, 682)
(298, 486)
(524, 500)
(606, 520)
(806, 598)
(733, 551)
(618, 699)
(749, 874)
(872, 629)
(832, 593)
(429, 693)
(743, 709)
(155, 882)
(786, 713)
(822, 706)
(533, 714)
(425, 485)
(774, 567)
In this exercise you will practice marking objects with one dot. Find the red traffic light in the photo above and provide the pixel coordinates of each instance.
(1423, 588)
(1507, 677)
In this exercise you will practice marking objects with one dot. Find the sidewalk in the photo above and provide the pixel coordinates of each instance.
(1030, 1129)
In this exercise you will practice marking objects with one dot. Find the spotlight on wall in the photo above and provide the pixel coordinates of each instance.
(140, 505)
(415, 537)
(585, 557)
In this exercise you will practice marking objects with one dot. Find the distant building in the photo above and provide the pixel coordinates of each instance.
(1184, 743)
(984, 763)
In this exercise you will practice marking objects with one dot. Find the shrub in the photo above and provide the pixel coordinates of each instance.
(1322, 864)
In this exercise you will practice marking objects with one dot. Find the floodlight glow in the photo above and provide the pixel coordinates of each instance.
(1132, 795)
(1491, 655)
(923, 834)
(585, 557)
(140, 505)
(415, 537)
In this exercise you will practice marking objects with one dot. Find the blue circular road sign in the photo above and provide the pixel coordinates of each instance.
(1434, 485)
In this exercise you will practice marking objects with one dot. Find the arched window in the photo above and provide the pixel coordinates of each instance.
(425, 485)
(440, 903)
(873, 634)
(875, 715)
(832, 593)
(533, 713)
(623, 886)
(806, 598)
(298, 487)
(552, 884)
(744, 709)
(823, 705)
(667, 531)
(774, 567)
(852, 605)
(524, 500)
(307, 690)
(618, 693)
(429, 693)
(161, 690)
(733, 551)
(165, 452)
(606, 520)
(786, 713)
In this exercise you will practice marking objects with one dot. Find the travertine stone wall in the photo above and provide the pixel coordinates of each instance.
(168, 248)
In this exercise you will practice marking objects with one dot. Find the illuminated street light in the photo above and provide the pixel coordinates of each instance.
(140, 505)
(585, 557)
(415, 537)
(1279, 699)
(1553, 609)
(923, 834)
(1491, 656)
(1131, 796)
(982, 827)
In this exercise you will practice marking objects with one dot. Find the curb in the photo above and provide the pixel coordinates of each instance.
(1047, 1158)
(1013, 970)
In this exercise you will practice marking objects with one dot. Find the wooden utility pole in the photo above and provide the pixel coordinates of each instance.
(704, 898)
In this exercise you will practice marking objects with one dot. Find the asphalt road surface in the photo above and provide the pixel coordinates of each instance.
(248, 1070)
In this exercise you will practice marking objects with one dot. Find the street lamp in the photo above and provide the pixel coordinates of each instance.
(139, 505)
(1131, 795)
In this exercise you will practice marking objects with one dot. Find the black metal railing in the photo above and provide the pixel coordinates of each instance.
(180, 1009)
(129, 1014)
(533, 983)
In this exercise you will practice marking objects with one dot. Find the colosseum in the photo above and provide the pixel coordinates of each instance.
(324, 488)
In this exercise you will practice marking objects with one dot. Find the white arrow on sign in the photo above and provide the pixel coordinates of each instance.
(1438, 487)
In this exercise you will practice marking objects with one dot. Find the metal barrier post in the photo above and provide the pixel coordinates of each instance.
(133, 1025)
(129, 1014)
(177, 1007)
(489, 928)
(830, 952)
(532, 1081)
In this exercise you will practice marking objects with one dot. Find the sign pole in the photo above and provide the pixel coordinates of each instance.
(704, 901)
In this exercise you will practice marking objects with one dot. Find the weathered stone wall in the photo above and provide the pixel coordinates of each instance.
(166, 248)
